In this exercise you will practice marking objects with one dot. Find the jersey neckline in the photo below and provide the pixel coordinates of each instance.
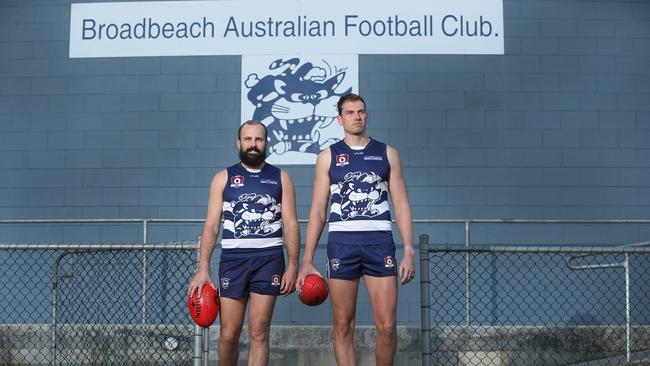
(253, 171)
(370, 140)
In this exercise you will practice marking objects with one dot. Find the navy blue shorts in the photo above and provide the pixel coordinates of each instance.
(347, 262)
(250, 270)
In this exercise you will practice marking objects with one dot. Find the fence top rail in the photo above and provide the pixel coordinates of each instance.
(97, 221)
(531, 221)
(187, 245)
(416, 221)
(539, 249)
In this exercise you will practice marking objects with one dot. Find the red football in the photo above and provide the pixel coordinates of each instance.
(204, 308)
(314, 290)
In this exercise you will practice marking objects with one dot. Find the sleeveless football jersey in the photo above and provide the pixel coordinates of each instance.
(252, 204)
(359, 210)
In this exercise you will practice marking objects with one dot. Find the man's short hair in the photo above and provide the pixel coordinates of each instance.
(251, 122)
(349, 98)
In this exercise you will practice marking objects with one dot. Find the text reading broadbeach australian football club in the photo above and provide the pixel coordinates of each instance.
(169, 28)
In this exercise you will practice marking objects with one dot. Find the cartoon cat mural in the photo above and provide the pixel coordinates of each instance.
(297, 103)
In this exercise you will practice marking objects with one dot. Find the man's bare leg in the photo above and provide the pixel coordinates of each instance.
(383, 296)
(259, 326)
(232, 320)
(343, 294)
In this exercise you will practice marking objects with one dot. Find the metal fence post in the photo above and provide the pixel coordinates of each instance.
(627, 307)
(55, 287)
(206, 345)
(197, 353)
(424, 300)
(145, 239)
(468, 294)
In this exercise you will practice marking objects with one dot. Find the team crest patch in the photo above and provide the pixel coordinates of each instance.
(237, 181)
(275, 280)
(342, 159)
(225, 282)
(335, 264)
(389, 262)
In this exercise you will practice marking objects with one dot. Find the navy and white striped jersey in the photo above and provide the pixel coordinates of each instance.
(359, 209)
(252, 204)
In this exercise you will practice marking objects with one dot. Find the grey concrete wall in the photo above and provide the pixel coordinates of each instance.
(558, 127)
(312, 345)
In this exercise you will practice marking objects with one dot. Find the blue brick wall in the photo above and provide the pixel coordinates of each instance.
(558, 127)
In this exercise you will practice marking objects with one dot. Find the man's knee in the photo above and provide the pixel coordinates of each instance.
(344, 328)
(258, 334)
(387, 331)
(229, 338)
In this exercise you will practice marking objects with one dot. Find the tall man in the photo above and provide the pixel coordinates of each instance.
(257, 201)
(358, 173)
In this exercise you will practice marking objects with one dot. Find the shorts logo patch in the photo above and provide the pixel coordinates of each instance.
(275, 280)
(389, 262)
(342, 159)
(237, 181)
(335, 264)
(225, 282)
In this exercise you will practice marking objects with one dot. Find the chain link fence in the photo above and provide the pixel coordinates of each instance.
(97, 305)
(535, 305)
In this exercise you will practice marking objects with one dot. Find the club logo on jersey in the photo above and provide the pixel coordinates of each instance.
(275, 280)
(225, 282)
(335, 264)
(360, 194)
(342, 159)
(389, 262)
(256, 214)
(237, 181)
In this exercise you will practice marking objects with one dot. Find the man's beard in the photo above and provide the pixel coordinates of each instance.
(252, 160)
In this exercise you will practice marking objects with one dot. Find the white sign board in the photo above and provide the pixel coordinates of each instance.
(177, 28)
